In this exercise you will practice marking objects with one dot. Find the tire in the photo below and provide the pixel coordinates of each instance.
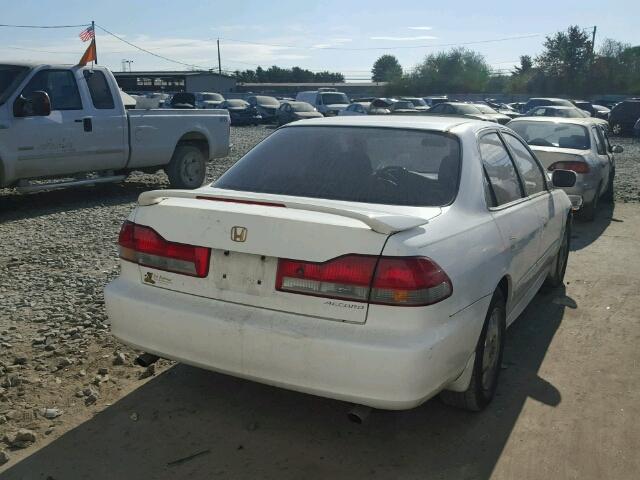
(486, 368)
(609, 195)
(187, 167)
(616, 129)
(588, 210)
(555, 278)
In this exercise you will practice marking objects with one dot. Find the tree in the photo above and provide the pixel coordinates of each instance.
(385, 69)
(275, 74)
(526, 64)
(566, 61)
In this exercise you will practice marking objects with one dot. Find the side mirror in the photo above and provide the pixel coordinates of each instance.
(617, 149)
(37, 105)
(563, 178)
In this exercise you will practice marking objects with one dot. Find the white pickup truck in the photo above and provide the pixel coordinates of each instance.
(64, 125)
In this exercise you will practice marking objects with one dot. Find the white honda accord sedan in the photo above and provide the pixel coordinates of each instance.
(376, 260)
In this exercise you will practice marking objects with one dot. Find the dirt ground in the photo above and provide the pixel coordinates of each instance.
(568, 405)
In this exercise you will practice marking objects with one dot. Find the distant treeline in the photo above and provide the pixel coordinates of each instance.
(567, 66)
(276, 74)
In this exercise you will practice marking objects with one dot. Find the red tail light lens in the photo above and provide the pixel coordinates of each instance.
(578, 167)
(144, 246)
(408, 281)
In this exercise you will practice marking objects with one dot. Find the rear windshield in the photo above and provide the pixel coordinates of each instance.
(359, 164)
(212, 97)
(333, 98)
(484, 108)
(402, 105)
(550, 134)
(302, 107)
(267, 101)
(465, 108)
(237, 103)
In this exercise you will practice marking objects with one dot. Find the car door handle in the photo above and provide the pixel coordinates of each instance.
(86, 122)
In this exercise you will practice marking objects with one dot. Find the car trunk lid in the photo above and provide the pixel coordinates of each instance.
(550, 155)
(248, 233)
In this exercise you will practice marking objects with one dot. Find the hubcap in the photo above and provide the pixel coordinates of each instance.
(191, 168)
(491, 350)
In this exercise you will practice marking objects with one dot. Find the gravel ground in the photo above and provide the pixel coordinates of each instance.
(59, 365)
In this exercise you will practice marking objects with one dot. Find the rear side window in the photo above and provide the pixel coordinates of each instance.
(101, 96)
(61, 87)
(499, 169)
(371, 165)
(597, 137)
(528, 167)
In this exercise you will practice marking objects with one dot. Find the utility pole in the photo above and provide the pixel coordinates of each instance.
(593, 43)
(219, 64)
(93, 27)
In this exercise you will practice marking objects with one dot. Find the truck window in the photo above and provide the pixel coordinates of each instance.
(101, 96)
(61, 87)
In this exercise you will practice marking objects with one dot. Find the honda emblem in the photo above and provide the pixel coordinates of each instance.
(238, 234)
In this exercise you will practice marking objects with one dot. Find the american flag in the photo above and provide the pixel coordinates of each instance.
(87, 34)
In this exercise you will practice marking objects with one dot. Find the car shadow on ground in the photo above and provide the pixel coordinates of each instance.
(584, 233)
(195, 424)
(17, 207)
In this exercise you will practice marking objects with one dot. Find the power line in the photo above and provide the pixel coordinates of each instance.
(149, 52)
(44, 26)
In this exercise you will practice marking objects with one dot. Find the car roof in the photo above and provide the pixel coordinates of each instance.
(556, 107)
(421, 122)
(580, 121)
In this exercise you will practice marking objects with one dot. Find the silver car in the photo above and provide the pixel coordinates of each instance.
(576, 144)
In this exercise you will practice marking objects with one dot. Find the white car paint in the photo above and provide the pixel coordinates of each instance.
(58, 145)
(383, 356)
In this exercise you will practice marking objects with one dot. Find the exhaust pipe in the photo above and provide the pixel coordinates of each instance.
(146, 359)
(359, 414)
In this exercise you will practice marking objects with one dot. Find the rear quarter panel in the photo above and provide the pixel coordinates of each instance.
(154, 134)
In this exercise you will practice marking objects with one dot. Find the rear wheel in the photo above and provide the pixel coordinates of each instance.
(616, 129)
(559, 266)
(187, 167)
(588, 210)
(610, 193)
(488, 358)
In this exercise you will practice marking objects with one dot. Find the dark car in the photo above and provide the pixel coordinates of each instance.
(461, 109)
(624, 116)
(418, 103)
(381, 106)
(596, 111)
(183, 100)
(292, 111)
(241, 113)
(267, 107)
(543, 102)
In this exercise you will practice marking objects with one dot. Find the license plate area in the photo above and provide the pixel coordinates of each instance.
(243, 272)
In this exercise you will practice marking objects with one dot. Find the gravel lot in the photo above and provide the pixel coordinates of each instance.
(59, 365)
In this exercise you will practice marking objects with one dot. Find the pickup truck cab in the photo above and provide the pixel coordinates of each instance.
(59, 123)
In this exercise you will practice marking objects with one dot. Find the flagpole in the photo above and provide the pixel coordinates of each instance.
(93, 27)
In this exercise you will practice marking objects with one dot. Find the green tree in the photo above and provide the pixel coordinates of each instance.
(275, 74)
(526, 65)
(566, 61)
(385, 69)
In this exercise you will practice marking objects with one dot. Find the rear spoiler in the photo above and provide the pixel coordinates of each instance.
(381, 222)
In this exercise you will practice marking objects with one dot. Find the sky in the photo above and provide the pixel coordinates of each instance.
(345, 36)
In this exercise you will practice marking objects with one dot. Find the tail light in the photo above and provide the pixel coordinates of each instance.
(404, 281)
(578, 167)
(144, 246)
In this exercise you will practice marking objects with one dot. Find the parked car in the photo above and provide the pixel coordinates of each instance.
(60, 122)
(636, 129)
(543, 102)
(381, 106)
(461, 109)
(241, 112)
(517, 106)
(594, 110)
(328, 101)
(623, 117)
(267, 107)
(183, 101)
(390, 275)
(403, 107)
(208, 100)
(292, 111)
(418, 103)
(578, 145)
(501, 118)
(502, 108)
(356, 108)
(434, 100)
(565, 112)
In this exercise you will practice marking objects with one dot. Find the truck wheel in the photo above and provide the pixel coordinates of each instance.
(187, 167)
(486, 366)
(559, 265)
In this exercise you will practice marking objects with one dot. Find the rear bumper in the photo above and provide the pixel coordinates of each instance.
(344, 361)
